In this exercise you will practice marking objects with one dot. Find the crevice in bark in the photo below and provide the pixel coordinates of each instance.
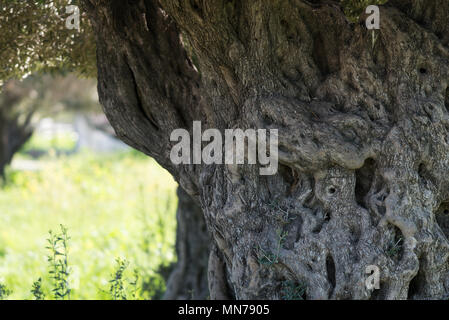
(446, 99)
(330, 268)
(219, 286)
(425, 174)
(364, 180)
(442, 217)
(422, 171)
(381, 293)
(418, 283)
(320, 56)
(197, 8)
(139, 96)
(376, 198)
(289, 175)
(298, 231)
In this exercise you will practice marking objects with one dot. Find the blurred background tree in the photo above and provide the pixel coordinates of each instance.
(24, 102)
(17, 106)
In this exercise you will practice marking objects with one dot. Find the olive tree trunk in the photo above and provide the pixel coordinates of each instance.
(188, 280)
(363, 120)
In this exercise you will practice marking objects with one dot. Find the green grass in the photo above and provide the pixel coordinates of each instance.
(114, 206)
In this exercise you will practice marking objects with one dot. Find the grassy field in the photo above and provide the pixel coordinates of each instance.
(114, 206)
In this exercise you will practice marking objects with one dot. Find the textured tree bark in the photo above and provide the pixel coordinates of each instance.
(189, 278)
(363, 120)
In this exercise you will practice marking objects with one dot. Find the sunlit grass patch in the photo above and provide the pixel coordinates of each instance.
(116, 205)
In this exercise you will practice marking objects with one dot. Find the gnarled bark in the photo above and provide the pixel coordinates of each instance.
(188, 280)
(363, 120)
